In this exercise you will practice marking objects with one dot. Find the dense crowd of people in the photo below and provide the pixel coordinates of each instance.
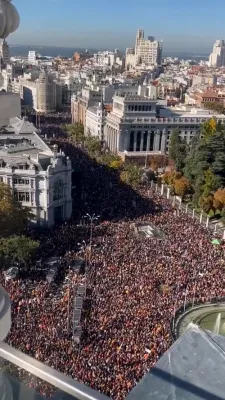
(134, 284)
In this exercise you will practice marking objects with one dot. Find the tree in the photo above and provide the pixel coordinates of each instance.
(182, 186)
(154, 164)
(76, 131)
(206, 203)
(18, 248)
(174, 143)
(219, 199)
(209, 128)
(111, 160)
(93, 145)
(211, 183)
(178, 150)
(116, 164)
(13, 217)
(169, 178)
(205, 165)
(131, 175)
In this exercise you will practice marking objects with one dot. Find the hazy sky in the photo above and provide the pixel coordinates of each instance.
(183, 25)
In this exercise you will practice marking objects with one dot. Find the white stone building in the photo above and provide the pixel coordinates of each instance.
(32, 57)
(95, 120)
(39, 177)
(217, 57)
(138, 125)
(130, 58)
(147, 51)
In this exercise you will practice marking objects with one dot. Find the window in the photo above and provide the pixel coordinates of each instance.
(21, 181)
(1, 179)
(22, 196)
(58, 190)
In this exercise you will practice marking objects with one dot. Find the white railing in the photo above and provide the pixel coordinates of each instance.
(204, 220)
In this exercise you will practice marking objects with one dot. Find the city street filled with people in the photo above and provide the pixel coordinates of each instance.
(134, 284)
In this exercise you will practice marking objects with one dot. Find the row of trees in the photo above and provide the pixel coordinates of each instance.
(200, 169)
(130, 173)
(14, 246)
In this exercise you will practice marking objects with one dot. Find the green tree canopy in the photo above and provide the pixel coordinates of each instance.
(13, 217)
(178, 150)
(93, 145)
(131, 175)
(76, 131)
(18, 248)
(205, 165)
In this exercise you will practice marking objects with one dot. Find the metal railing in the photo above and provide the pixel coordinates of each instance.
(48, 374)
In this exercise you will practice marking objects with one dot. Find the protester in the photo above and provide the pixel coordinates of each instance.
(134, 284)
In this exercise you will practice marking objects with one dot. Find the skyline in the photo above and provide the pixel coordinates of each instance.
(91, 26)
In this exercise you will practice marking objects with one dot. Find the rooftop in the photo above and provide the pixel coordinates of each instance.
(20, 143)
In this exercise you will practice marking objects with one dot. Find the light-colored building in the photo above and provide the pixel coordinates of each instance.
(130, 58)
(217, 57)
(32, 57)
(46, 93)
(138, 125)
(39, 177)
(10, 106)
(4, 52)
(204, 79)
(80, 104)
(147, 51)
(95, 120)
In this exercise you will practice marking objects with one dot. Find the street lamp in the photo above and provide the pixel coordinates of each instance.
(83, 249)
(91, 218)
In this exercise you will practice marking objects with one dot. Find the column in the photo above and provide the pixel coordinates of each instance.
(148, 142)
(156, 141)
(120, 141)
(126, 140)
(113, 141)
(116, 141)
(110, 139)
(135, 141)
(142, 141)
(163, 141)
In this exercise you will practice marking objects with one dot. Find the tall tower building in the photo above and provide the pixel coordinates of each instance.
(217, 57)
(147, 51)
(32, 57)
(45, 93)
(4, 52)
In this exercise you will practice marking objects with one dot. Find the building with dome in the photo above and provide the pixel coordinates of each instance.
(46, 93)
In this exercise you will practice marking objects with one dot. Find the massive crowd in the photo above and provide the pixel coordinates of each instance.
(134, 283)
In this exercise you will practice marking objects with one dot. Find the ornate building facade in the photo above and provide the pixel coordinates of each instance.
(39, 176)
(138, 125)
